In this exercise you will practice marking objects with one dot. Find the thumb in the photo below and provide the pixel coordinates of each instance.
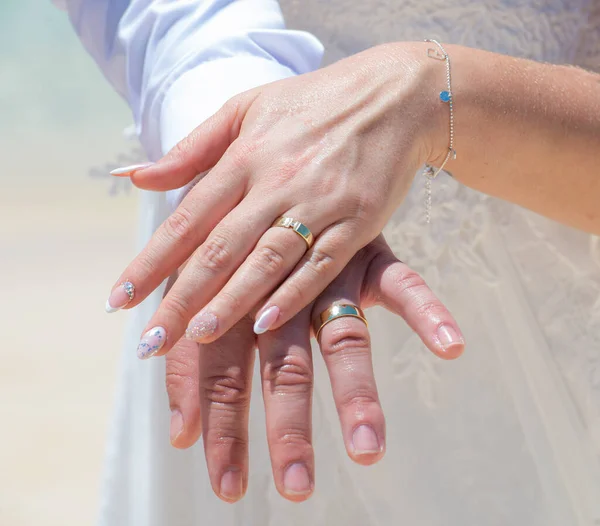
(199, 151)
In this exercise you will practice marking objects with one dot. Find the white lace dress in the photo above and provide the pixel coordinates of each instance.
(509, 435)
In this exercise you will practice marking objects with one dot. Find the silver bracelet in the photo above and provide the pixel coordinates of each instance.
(430, 172)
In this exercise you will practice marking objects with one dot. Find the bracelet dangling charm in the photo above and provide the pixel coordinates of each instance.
(446, 96)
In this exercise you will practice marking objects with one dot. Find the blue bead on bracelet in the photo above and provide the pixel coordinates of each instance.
(445, 96)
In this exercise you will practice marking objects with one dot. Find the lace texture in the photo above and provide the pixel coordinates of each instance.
(509, 435)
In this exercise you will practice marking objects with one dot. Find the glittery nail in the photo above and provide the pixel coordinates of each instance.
(120, 297)
(201, 326)
(151, 343)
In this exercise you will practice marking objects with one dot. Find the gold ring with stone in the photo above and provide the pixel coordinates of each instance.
(298, 227)
(337, 311)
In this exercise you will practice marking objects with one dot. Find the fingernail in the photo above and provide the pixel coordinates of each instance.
(151, 343)
(450, 340)
(176, 425)
(296, 480)
(120, 297)
(365, 441)
(127, 170)
(231, 484)
(201, 326)
(266, 320)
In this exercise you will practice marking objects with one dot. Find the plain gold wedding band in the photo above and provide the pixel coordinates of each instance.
(298, 227)
(337, 311)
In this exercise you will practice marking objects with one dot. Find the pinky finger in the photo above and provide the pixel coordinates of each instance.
(401, 290)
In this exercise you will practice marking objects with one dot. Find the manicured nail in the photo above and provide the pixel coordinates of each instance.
(231, 484)
(365, 441)
(296, 480)
(201, 326)
(151, 343)
(176, 425)
(128, 170)
(266, 320)
(120, 297)
(450, 340)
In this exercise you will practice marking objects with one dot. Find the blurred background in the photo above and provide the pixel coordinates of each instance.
(65, 234)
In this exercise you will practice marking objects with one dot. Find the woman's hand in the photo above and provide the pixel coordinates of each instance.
(336, 149)
(209, 385)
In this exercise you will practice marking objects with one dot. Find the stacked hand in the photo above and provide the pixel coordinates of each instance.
(338, 170)
(209, 384)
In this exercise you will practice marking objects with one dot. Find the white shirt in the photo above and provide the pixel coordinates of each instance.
(177, 61)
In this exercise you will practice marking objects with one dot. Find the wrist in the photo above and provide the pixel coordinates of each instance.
(422, 79)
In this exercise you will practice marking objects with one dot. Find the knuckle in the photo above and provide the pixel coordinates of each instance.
(289, 167)
(176, 306)
(219, 438)
(342, 340)
(429, 308)
(423, 300)
(358, 399)
(142, 268)
(179, 370)
(179, 385)
(232, 302)
(184, 147)
(289, 373)
(245, 151)
(230, 389)
(295, 293)
(365, 206)
(411, 282)
(232, 105)
(179, 225)
(321, 261)
(290, 436)
(269, 261)
(215, 254)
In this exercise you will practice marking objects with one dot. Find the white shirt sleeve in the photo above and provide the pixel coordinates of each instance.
(177, 61)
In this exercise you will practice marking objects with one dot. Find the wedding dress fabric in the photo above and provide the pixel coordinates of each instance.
(507, 435)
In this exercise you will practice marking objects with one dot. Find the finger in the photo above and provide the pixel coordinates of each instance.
(401, 290)
(183, 378)
(177, 238)
(271, 261)
(225, 383)
(346, 349)
(287, 382)
(332, 251)
(206, 272)
(199, 151)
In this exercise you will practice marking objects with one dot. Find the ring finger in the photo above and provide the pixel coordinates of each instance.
(207, 277)
(346, 348)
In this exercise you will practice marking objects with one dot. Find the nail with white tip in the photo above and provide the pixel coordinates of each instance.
(128, 170)
(120, 297)
(266, 320)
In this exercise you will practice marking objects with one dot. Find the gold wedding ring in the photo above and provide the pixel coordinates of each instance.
(300, 229)
(337, 311)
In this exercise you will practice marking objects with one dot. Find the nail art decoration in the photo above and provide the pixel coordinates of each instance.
(151, 343)
(201, 326)
(120, 297)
